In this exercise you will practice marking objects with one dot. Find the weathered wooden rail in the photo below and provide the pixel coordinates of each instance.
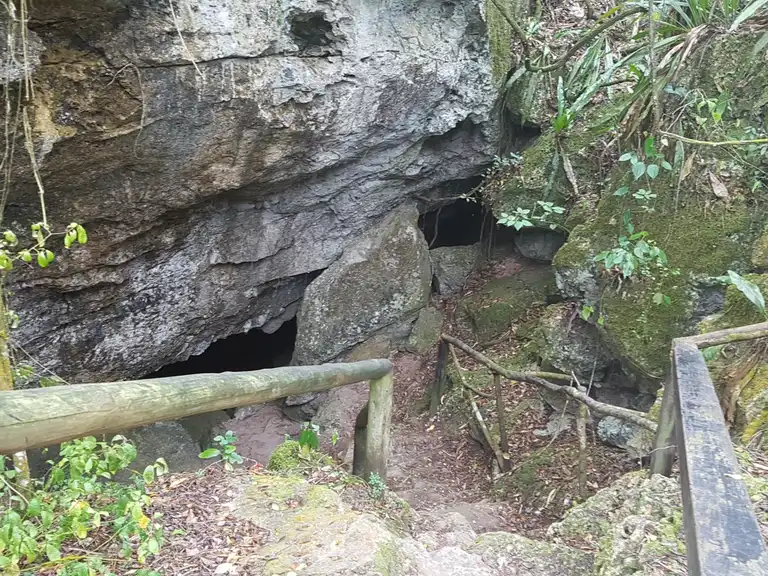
(46, 416)
(722, 534)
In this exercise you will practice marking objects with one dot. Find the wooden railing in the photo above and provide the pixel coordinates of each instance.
(722, 534)
(46, 416)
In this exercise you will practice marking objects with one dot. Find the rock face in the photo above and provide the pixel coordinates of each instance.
(636, 524)
(452, 265)
(312, 526)
(537, 244)
(381, 280)
(213, 191)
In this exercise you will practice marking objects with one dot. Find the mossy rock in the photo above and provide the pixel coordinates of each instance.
(426, 331)
(635, 525)
(289, 458)
(501, 302)
(532, 557)
(285, 457)
(702, 235)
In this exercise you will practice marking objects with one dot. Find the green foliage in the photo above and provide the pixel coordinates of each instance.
(78, 500)
(227, 450)
(750, 290)
(636, 254)
(646, 166)
(376, 485)
(525, 218)
(41, 232)
(309, 437)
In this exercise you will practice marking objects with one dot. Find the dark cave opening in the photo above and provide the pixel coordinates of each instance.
(459, 223)
(252, 350)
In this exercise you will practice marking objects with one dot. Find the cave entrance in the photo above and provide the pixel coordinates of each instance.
(460, 223)
(253, 350)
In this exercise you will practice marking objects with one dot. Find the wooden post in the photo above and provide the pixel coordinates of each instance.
(664, 447)
(503, 443)
(377, 431)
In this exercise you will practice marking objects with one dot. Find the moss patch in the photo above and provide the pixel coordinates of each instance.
(285, 457)
(501, 302)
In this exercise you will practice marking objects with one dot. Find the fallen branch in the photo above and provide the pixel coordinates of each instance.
(728, 336)
(464, 380)
(581, 432)
(715, 143)
(478, 416)
(503, 443)
(534, 378)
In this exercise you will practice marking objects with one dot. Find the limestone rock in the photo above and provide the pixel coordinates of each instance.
(426, 331)
(539, 244)
(513, 554)
(636, 524)
(622, 434)
(567, 343)
(381, 280)
(452, 265)
(214, 192)
(311, 526)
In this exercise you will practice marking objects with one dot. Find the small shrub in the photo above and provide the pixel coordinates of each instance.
(78, 500)
(226, 450)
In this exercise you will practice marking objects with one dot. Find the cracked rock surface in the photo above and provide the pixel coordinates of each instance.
(214, 192)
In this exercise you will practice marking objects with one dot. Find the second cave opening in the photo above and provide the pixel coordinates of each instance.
(252, 350)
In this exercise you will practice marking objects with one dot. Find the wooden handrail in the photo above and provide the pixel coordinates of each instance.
(42, 417)
(721, 531)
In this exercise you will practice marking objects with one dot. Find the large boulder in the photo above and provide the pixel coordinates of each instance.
(381, 281)
(216, 176)
(452, 265)
(568, 343)
(635, 525)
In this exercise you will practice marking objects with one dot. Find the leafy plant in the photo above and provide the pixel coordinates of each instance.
(647, 166)
(635, 254)
(376, 485)
(227, 450)
(750, 290)
(78, 500)
(309, 437)
(525, 218)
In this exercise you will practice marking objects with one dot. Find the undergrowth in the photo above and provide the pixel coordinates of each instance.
(72, 522)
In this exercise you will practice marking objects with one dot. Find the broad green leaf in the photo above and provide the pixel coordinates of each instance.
(666, 165)
(623, 191)
(42, 261)
(82, 235)
(652, 170)
(626, 156)
(649, 147)
(638, 169)
(750, 290)
(210, 453)
(52, 552)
